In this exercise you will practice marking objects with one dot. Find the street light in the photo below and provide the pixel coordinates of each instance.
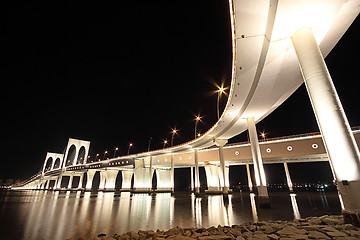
(104, 154)
(197, 119)
(165, 142)
(220, 91)
(96, 156)
(149, 144)
(172, 136)
(263, 135)
(130, 145)
(115, 152)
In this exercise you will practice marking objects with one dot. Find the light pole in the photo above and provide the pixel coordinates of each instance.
(104, 155)
(220, 91)
(172, 136)
(172, 161)
(115, 152)
(149, 144)
(263, 135)
(197, 119)
(130, 145)
(165, 142)
(96, 157)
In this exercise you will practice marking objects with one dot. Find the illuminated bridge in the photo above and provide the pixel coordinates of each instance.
(276, 46)
(291, 149)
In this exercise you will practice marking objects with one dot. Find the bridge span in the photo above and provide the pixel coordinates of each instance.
(276, 46)
(141, 170)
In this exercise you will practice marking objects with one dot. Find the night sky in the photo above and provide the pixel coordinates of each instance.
(119, 72)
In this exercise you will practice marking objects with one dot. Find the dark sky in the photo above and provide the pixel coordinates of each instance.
(114, 72)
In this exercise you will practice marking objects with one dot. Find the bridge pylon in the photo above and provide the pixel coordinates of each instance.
(333, 124)
(260, 178)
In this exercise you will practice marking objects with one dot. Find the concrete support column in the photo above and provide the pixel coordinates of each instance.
(333, 124)
(70, 182)
(126, 180)
(258, 165)
(163, 177)
(47, 184)
(80, 181)
(111, 175)
(172, 173)
(151, 173)
(192, 178)
(197, 178)
(58, 181)
(220, 143)
(288, 179)
(102, 180)
(141, 177)
(249, 178)
(212, 178)
(90, 177)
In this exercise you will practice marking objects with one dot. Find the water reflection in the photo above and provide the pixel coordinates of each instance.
(164, 209)
(196, 210)
(324, 199)
(61, 215)
(295, 206)
(253, 207)
(219, 211)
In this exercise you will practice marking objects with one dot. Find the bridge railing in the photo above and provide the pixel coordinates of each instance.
(355, 130)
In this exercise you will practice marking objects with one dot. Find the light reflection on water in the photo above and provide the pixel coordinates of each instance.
(61, 215)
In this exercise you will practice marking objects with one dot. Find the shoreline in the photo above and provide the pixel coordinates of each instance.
(324, 227)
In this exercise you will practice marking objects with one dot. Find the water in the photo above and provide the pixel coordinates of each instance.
(60, 215)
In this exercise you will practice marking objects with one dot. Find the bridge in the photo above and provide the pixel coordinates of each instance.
(276, 46)
(286, 150)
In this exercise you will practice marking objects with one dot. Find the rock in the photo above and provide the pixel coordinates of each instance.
(259, 235)
(317, 235)
(240, 238)
(290, 230)
(200, 230)
(300, 237)
(124, 236)
(260, 223)
(247, 235)
(344, 227)
(217, 237)
(331, 221)
(151, 232)
(327, 229)
(180, 237)
(205, 233)
(133, 235)
(353, 233)
(187, 233)
(160, 235)
(312, 227)
(336, 234)
(235, 232)
(314, 221)
(174, 231)
(268, 229)
(196, 235)
(273, 237)
(252, 228)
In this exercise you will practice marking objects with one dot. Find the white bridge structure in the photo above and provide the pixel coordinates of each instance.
(277, 45)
